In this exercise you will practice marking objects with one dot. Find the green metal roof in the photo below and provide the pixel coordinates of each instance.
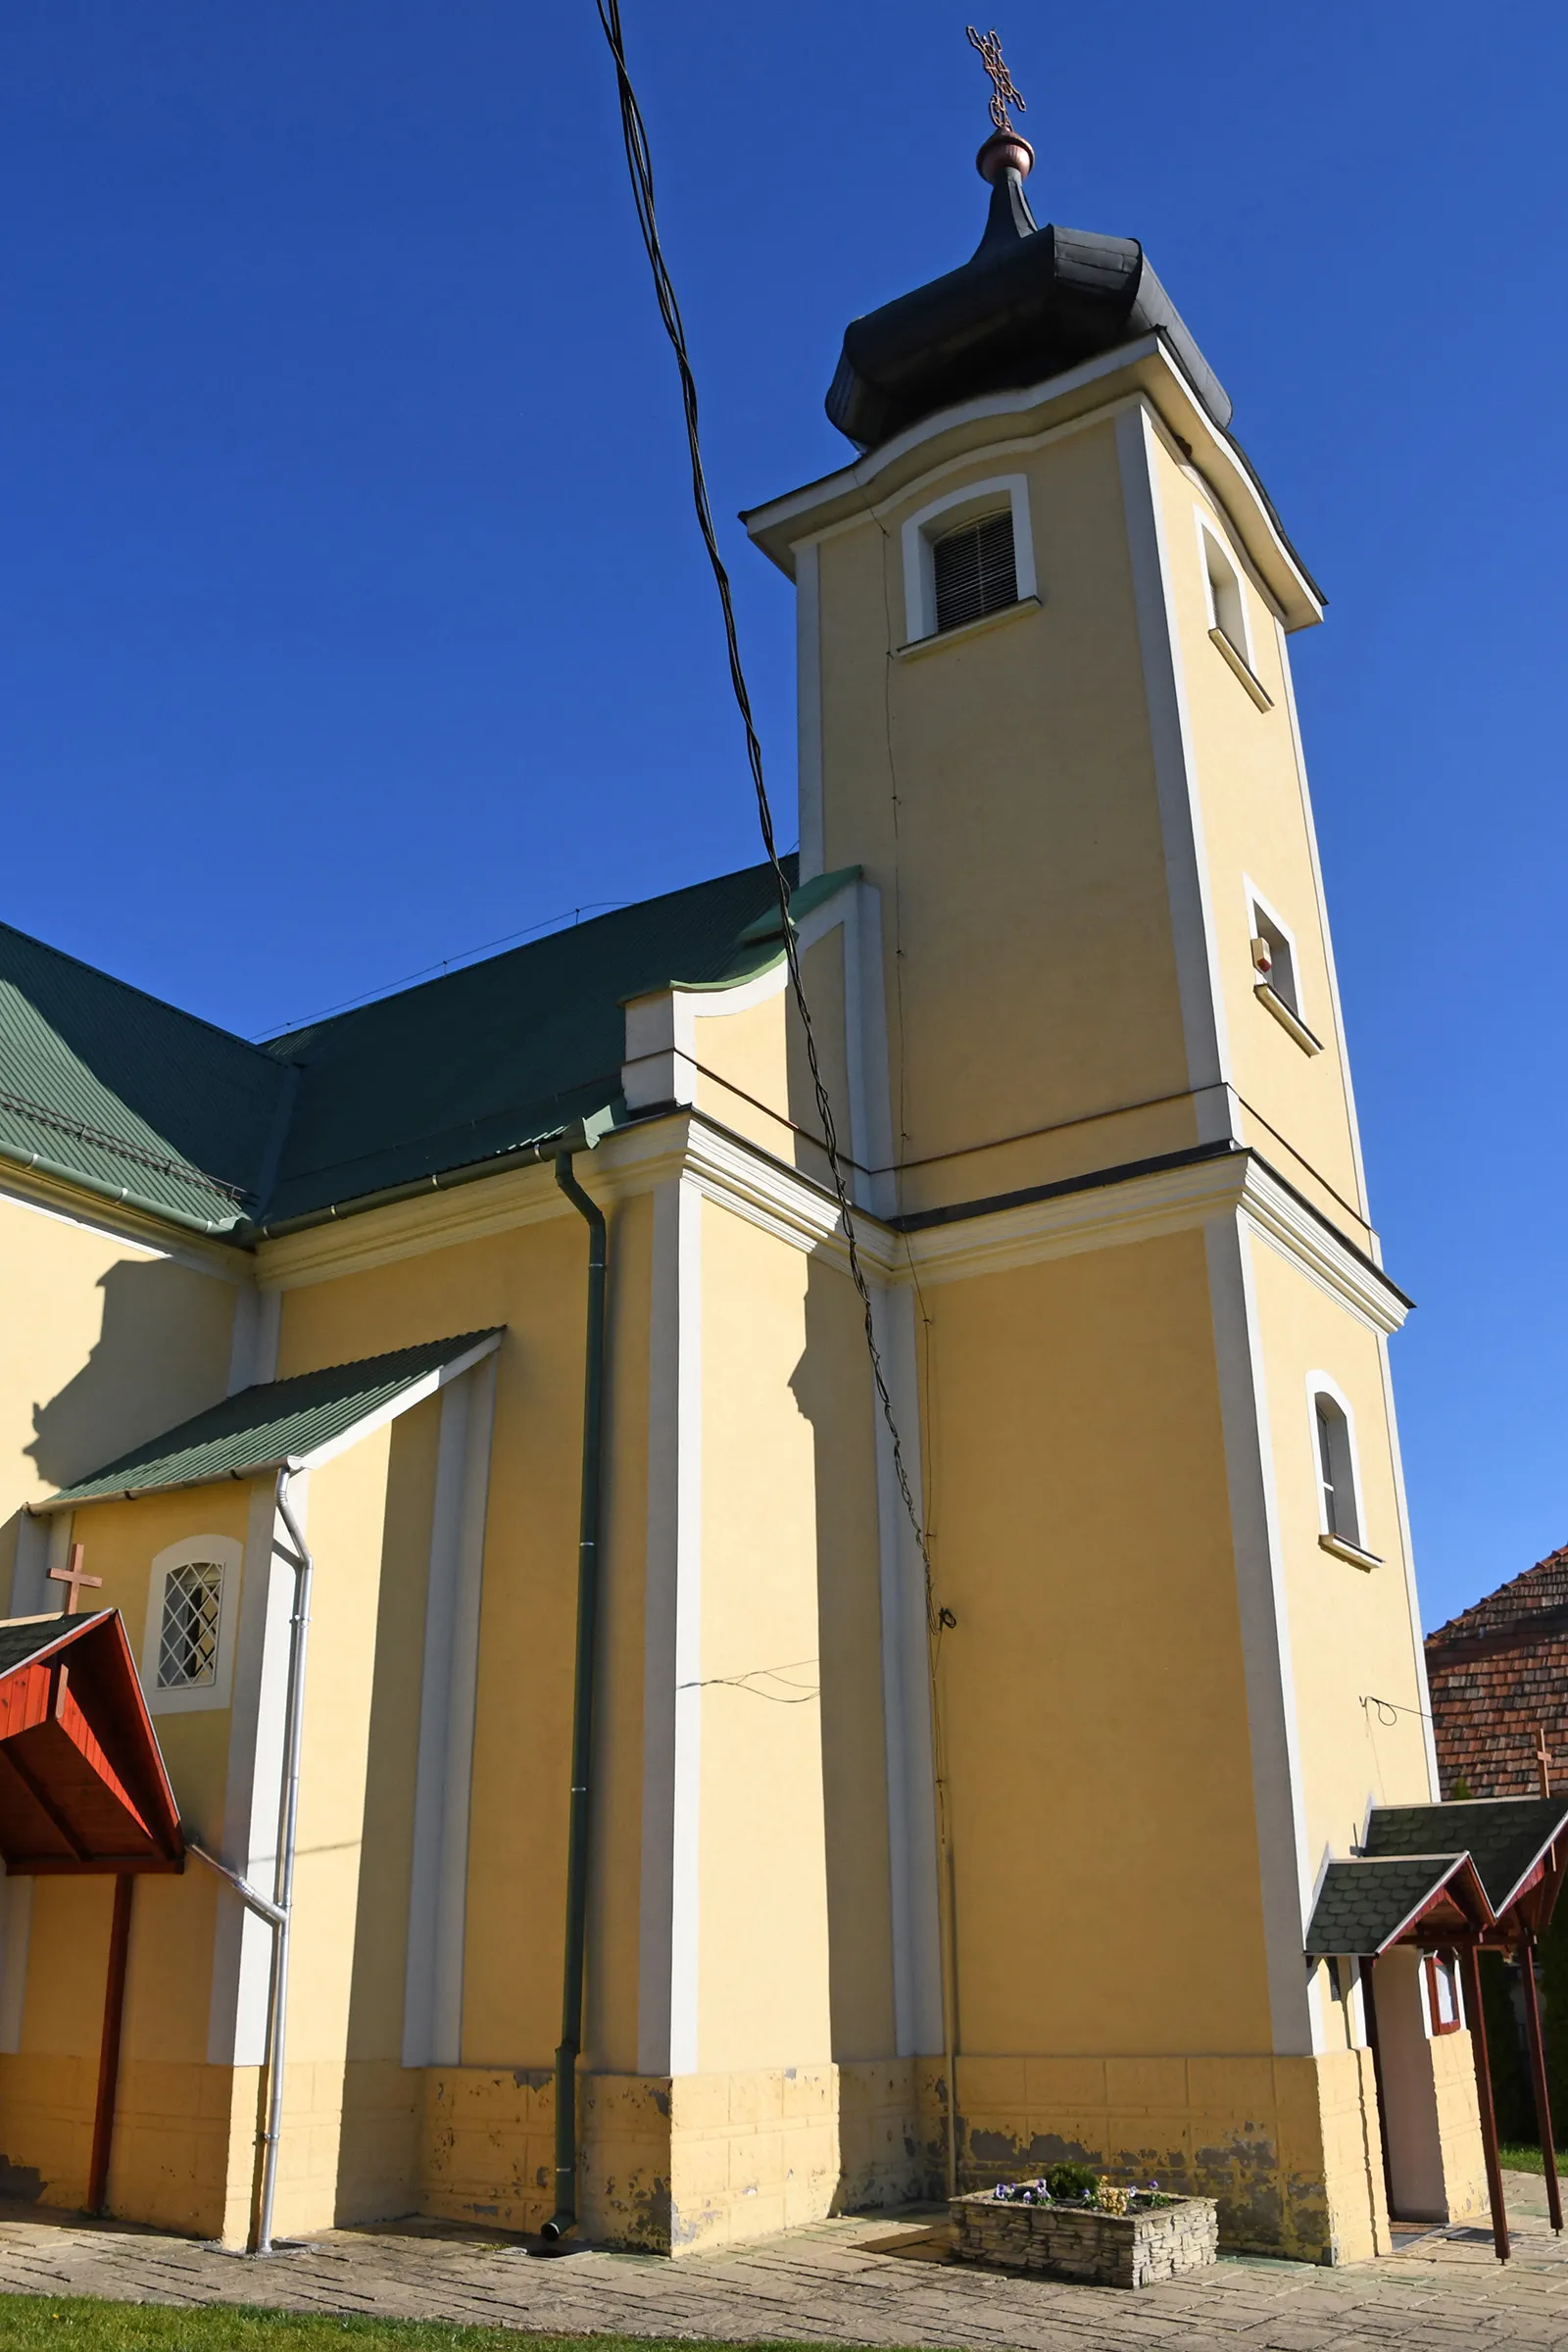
(1362, 1905)
(129, 1097)
(276, 1422)
(1505, 1837)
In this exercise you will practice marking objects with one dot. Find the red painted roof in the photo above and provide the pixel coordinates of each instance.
(1498, 1672)
(82, 1785)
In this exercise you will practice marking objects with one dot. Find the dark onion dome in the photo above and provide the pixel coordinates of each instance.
(1029, 303)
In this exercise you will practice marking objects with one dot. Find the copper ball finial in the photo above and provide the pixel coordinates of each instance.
(1004, 150)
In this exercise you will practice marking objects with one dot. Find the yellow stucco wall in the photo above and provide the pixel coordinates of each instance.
(1077, 1498)
(531, 1279)
(1351, 1628)
(1024, 880)
(762, 1936)
(1255, 829)
(104, 1340)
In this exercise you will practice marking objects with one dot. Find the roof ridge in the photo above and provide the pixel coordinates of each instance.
(164, 1003)
(352, 1363)
(1449, 1629)
(400, 994)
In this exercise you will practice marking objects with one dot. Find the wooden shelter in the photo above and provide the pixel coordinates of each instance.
(1456, 1879)
(83, 1791)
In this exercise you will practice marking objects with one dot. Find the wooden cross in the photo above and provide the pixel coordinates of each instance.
(1542, 1756)
(1002, 92)
(76, 1576)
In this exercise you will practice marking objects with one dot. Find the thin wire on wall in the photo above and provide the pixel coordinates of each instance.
(640, 165)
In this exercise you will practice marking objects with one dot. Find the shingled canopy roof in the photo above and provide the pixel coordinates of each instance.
(1366, 1907)
(1432, 1873)
(130, 1098)
(82, 1785)
(280, 1424)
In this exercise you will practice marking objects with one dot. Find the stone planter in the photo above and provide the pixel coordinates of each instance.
(1071, 2241)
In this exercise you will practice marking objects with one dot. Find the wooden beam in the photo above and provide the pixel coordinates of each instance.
(1488, 2121)
(103, 2122)
(1369, 2010)
(1537, 2076)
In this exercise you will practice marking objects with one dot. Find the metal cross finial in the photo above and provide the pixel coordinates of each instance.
(76, 1576)
(1002, 92)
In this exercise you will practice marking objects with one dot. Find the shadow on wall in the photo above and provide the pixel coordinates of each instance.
(832, 1387)
(162, 1354)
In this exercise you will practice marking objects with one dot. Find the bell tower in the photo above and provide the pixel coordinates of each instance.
(1045, 707)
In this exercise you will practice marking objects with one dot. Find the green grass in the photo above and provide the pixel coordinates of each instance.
(85, 2325)
(1513, 2160)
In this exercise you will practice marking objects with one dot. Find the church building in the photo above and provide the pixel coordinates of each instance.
(457, 1546)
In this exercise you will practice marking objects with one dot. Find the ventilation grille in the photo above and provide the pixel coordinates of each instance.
(975, 571)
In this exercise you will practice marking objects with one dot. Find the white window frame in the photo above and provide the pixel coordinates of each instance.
(226, 1554)
(1345, 1548)
(943, 514)
(1292, 1017)
(1208, 538)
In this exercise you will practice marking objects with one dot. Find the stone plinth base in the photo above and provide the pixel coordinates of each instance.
(1096, 2249)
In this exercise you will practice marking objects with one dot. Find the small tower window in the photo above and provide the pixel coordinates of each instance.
(1274, 958)
(1227, 606)
(187, 1638)
(975, 571)
(1334, 1471)
(1338, 1484)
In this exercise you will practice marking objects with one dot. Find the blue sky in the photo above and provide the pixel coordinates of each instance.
(350, 616)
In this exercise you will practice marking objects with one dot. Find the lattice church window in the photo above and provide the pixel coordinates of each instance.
(187, 1638)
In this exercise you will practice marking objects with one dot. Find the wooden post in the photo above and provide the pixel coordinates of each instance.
(103, 2122)
(1488, 2121)
(1369, 2010)
(1537, 2076)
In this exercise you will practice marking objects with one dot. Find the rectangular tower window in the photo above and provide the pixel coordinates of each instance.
(1225, 598)
(975, 571)
(1272, 959)
(1340, 1516)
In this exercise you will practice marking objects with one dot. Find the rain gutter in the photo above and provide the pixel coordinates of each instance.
(123, 1194)
(579, 1133)
(569, 2048)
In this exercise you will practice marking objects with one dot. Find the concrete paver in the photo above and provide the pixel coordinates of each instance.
(871, 2279)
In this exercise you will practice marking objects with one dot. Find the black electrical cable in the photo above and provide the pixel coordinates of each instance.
(640, 163)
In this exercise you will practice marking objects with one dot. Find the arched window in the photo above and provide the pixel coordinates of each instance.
(186, 1659)
(1338, 1487)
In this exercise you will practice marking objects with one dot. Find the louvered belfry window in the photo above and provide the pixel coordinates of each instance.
(975, 571)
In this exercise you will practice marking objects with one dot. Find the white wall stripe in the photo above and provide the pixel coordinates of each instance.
(1284, 1872)
(668, 1942)
(1181, 819)
(907, 1701)
(432, 2013)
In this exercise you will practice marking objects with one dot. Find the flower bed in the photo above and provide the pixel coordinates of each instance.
(1071, 2226)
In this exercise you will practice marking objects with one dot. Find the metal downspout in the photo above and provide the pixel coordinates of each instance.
(283, 1885)
(565, 2217)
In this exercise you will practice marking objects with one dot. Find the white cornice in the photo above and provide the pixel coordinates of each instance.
(50, 1196)
(1147, 367)
(735, 1174)
(1144, 1207)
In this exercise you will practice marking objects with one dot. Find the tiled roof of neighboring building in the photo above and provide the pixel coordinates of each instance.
(114, 1090)
(1497, 1673)
(274, 1422)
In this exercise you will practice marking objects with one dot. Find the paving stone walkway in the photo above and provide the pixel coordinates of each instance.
(853, 2280)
